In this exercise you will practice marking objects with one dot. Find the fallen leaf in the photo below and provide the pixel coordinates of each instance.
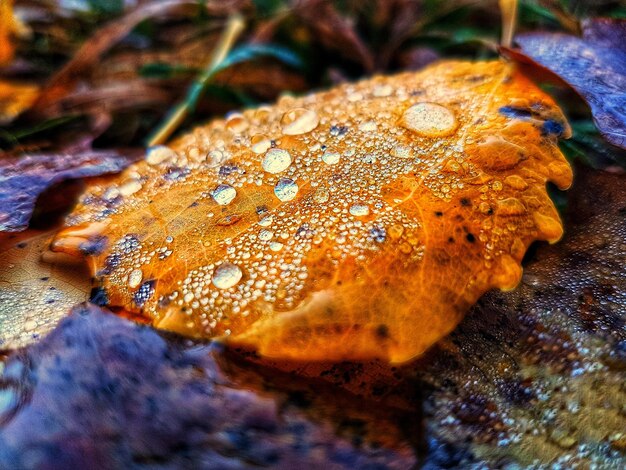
(537, 376)
(65, 80)
(357, 223)
(120, 396)
(23, 179)
(37, 289)
(15, 98)
(530, 377)
(594, 65)
(7, 28)
(334, 31)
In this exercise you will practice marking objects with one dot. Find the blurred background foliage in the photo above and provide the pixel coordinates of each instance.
(105, 73)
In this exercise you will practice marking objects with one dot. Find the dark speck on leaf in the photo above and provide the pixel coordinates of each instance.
(551, 127)
(99, 296)
(382, 331)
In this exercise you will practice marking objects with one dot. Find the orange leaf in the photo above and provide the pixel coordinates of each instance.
(7, 28)
(357, 223)
(15, 98)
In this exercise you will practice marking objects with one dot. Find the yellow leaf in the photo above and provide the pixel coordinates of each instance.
(15, 98)
(356, 223)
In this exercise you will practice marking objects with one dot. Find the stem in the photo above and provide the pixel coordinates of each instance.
(234, 27)
(508, 9)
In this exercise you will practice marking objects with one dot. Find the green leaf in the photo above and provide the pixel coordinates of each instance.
(250, 52)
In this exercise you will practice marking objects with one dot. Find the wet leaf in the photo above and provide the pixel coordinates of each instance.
(530, 377)
(37, 289)
(594, 65)
(23, 179)
(120, 396)
(537, 375)
(357, 223)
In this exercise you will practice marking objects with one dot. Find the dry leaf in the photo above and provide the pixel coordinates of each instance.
(120, 396)
(357, 223)
(23, 179)
(15, 98)
(594, 65)
(65, 80)
(7, 28)
(334, 31)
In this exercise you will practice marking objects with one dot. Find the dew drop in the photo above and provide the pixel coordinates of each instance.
(382, 90)
(226, 275)
(299, 121)
(378, 234)
(111, 194)
(321, 195)
(215, 158)
(401, 151)
(134, 278)
(236, 123)
(224, 194)
(330, 158)
(265, 235)
(286, 189)
(266, 221)
(159, 154)
(429, 120)
(276, 160)
(369, 158)
(367, 126)
(130, 187)
(276, 246)
(359, 210)
(259, 143)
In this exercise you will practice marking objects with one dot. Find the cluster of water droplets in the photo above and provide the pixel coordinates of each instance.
(327, 162)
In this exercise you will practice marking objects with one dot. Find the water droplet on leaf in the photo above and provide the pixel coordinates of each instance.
(429, 120)
(299, 121)
(286, 189)
(330, 158)
(259, 143)
(134, 278)
(276, 160)
(359, 210)
(226, 275)
(224, 194)
(159, 154)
